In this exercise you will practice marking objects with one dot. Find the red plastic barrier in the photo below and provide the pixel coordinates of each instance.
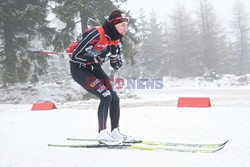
(194, 102)
(43, 106)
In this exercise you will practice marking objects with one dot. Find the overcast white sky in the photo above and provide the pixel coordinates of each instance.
(223, 8)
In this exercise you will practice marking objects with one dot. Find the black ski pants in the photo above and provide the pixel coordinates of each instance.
(96, 81)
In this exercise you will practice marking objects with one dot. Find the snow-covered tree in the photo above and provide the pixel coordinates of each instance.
(183, 43)
(241, 43)
(152, 48)
(142, 23)
(167, 59)
(20, 22)
(212, 41)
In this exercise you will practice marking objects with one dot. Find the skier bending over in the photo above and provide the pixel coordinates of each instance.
(85, 66)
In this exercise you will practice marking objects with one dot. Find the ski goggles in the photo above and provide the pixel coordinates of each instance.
(120, 19)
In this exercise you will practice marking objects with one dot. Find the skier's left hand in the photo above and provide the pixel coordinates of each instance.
(116, 65)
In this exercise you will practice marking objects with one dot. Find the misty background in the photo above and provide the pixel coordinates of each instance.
(169, 39)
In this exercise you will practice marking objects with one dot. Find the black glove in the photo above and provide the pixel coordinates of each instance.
(116, 65)
(101, 57)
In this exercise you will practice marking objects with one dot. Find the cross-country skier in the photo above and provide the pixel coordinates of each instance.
(85, 66)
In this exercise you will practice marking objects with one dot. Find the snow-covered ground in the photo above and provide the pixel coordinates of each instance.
(24, 134)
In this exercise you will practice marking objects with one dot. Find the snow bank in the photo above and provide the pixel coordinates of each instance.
(67, 90)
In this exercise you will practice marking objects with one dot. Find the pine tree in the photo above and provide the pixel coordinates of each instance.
(212, 41)
(21, 21)
(183, 43)
(152, 47)
(241, 44)
(142, 35)
(168, 55)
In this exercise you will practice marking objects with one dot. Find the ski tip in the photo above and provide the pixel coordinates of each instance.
(225, 142)
(221, 147)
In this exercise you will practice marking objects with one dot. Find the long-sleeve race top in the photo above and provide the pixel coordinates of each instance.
(94, 43)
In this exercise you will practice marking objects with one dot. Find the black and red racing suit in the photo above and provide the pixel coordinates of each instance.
(86, 70)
